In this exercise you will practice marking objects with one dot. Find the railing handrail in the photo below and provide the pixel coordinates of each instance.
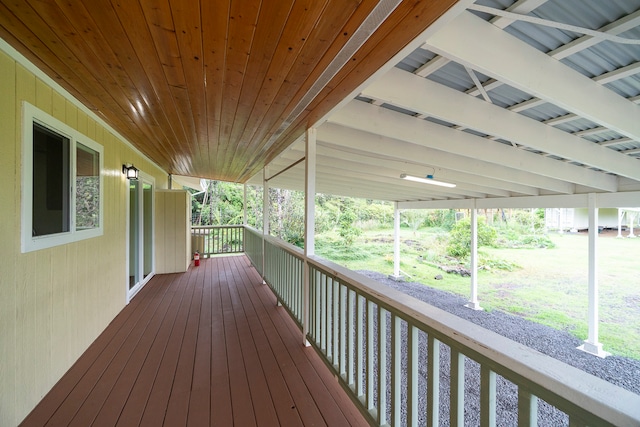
(292, 249)
(544, 376)
(200, 227)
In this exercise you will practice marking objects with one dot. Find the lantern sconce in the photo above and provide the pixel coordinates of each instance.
(130, 171)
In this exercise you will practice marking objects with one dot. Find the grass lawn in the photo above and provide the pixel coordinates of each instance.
(548, 286)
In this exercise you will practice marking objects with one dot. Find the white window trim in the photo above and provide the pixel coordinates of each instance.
(31, 114)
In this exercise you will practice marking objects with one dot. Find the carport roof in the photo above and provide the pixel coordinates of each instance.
(505, 99)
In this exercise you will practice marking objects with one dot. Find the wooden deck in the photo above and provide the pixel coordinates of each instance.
(207, 347)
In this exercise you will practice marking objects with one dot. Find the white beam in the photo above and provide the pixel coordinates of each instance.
(406, 90)
(432, 66)
(476, 43)
(521, 6)
(605, 200)
(620, 73)
(392, 169)
(381, 121)
(617, 27)
(388, 147)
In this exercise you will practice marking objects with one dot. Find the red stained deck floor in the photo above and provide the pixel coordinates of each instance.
(206, 347)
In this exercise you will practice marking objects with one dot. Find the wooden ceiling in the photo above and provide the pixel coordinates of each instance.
(212, 88)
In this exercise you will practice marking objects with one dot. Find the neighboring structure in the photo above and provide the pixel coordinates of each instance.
(577, 219)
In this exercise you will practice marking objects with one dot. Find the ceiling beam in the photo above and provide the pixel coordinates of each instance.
(391, 148)
(392, 169)
(382, 121)
(424, 96)
(477, 44)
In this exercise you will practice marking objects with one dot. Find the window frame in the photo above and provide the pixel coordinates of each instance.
(31, 115)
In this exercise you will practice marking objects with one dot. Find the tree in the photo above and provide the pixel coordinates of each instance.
(346, 222)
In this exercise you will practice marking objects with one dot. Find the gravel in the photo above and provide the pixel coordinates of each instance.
(561, 345)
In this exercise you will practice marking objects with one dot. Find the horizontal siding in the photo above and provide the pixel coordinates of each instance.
(54, 302)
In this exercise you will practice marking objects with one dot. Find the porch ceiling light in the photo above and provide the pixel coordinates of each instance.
(130, 171)
(427, 180)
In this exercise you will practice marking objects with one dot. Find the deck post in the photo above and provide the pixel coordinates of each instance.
(244, 204)
(620, 214)
(396, 244)
(265, 218)
(591, 344)
(309, 222)
(473, 302)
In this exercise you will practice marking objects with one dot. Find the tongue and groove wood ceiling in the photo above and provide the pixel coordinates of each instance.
(212, 88)
(504, 98)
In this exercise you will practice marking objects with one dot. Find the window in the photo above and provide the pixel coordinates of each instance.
(62, 183)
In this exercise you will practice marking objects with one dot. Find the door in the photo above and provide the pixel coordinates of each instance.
(141, 214)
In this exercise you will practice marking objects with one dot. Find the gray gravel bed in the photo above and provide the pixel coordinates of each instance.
(561, 345)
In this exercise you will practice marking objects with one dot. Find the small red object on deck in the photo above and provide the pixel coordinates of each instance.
(196, 259)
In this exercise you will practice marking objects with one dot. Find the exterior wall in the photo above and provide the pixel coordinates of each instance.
(578, 218)
(54, 302)
(607, 218)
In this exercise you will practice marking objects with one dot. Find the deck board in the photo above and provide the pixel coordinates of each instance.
(204, 348)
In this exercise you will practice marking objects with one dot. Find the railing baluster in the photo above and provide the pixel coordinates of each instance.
(336, 330)
(329, 324)
(359, 346)
(323, 314)
(382, 366)
(370, 351)
(351, 313)
(487, 397)
(412, 375)
(343, 329)
(396, 377)
(433, 378)
(527, 408)
(318, 305)
(457, 389)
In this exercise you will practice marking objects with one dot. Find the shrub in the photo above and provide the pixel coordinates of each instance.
(460, 237)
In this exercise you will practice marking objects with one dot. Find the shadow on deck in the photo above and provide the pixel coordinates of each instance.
(206, 347)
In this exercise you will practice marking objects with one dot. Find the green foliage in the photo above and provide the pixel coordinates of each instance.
(346, 222)
(492, 262)
(460, 237)
(441, 218)
(287, 215)
(87, 202)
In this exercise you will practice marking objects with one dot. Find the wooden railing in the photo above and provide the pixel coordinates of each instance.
(283, 271)
(215, 240)
(405, 362)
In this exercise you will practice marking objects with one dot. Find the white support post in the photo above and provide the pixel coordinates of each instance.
(265, 218)
(631, 216)
(244, 204)
(473, 302)
(309, 223)
(620, 214)
(591, 344)
(396, 245)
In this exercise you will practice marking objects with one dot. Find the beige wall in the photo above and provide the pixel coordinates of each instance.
(54, 302)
